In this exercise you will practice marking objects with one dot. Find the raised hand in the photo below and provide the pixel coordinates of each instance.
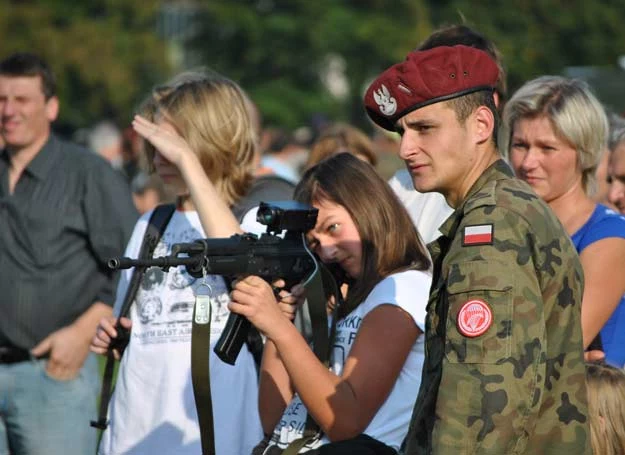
(164, 138)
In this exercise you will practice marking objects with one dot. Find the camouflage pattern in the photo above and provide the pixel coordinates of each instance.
(519, 388)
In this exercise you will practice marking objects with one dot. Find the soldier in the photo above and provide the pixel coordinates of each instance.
(504, 369)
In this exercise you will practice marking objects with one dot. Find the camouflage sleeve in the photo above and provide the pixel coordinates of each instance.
(488, 393)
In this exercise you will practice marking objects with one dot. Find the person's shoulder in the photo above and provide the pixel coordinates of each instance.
(510, 201)
(507, 193)
(81, 157)
(272, 183)
(397, 283)
(401, 181)
(264, 188)
(609, 218)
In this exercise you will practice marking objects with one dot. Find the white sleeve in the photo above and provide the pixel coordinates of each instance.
(409, 290)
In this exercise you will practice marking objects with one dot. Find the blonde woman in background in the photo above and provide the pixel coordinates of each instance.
(340, 138)
(557, 136)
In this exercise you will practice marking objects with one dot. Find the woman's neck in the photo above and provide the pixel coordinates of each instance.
(573, 209)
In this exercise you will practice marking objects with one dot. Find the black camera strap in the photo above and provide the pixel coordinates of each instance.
(156, 226)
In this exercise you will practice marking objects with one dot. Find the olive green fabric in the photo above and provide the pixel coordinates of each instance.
(518, 388)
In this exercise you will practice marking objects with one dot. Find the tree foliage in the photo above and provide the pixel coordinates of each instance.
(278, 49)
(104, 53)
(107, 54)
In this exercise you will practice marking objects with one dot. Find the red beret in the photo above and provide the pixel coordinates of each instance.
(427, 77)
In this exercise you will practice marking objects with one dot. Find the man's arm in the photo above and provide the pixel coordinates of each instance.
(486, 395)
(68, 347)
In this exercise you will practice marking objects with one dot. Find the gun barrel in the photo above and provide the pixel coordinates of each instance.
(165, 261)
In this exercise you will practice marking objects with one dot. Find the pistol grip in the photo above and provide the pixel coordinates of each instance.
(232, 338)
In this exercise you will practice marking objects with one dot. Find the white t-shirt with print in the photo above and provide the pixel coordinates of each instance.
(409, 290)
(152, 410)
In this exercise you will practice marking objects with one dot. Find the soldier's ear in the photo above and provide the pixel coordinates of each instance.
(484, 124)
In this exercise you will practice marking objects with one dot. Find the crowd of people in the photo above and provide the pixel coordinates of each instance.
(472, 303)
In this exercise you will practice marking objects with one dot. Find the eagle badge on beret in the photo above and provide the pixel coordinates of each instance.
(386, 103)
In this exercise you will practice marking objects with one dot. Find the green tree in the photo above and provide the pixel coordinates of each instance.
(539, 37)
(280, 50)
(105, 53)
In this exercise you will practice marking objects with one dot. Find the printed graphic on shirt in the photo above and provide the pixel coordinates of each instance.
(293, 422)
(164, 303)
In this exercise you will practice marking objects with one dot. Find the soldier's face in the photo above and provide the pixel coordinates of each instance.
(616, 178)
(437, 150)
(335, 238)
(543, 159)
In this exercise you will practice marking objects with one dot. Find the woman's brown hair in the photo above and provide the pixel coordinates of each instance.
(342, 138)
(390, 242)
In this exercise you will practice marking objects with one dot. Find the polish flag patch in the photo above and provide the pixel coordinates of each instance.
(474, 318)
(481, 234)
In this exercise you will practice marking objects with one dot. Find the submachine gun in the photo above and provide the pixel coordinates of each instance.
(269, 256)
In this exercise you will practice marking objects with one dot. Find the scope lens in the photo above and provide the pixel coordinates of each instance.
(267, 217)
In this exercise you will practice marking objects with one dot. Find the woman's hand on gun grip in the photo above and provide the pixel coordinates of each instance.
(288, 302)
(105, 333)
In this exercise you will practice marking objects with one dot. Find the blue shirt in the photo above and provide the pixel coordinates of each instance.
(606, 223)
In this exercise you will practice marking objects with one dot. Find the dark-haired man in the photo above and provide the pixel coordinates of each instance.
(429, 210)
(63, 213)
(504, 370)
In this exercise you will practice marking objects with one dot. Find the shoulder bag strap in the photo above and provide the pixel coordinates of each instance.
(156, 226)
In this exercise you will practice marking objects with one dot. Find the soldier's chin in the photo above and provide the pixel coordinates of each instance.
(422, 186)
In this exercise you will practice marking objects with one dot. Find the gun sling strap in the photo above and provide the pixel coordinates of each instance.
(321, 287)
(156, 226)
(200, 344)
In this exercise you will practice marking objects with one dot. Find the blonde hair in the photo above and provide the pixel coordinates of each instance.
(575, 114)
(339, 138)
(605, 386)
(211, 113)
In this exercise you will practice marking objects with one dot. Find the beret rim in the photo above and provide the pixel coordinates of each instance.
(388, 123)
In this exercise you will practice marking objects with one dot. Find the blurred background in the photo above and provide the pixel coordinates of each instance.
(304, 62)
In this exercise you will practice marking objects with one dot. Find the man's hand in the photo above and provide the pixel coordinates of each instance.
(67, 349)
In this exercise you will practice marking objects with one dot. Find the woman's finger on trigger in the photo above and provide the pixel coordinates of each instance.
(279, 283)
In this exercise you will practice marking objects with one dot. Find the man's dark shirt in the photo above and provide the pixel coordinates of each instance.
(69, 212)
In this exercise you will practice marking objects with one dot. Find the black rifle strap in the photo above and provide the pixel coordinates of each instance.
(320, 288)
(156, 226)
(200, 370)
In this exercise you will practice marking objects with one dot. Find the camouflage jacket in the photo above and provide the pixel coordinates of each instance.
(509, 342)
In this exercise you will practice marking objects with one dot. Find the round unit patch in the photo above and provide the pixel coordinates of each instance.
(474, 318)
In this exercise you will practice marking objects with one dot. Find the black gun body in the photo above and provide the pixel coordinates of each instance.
(270, 257)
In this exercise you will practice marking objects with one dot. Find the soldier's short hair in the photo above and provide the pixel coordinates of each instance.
(575, 114)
